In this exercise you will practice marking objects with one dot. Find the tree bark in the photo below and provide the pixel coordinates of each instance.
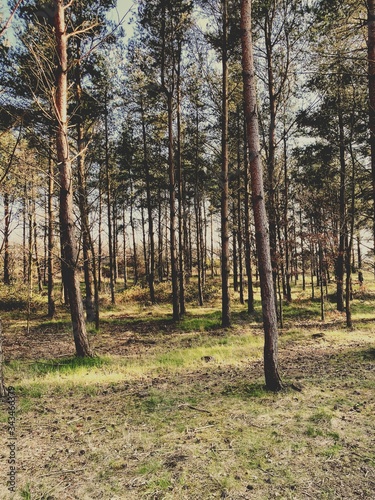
(109, 201)
(273, 381)
(82, 194)
(151, 237)
(68, 241)
(225, 300)
(371, 87)
(172, 214)
(340, 264)
(6, 278)
(50, 236)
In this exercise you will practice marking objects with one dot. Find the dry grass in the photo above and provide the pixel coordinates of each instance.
(170, 412)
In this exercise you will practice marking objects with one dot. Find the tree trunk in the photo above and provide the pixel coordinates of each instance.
(371, 86)
(132, 225)
(124, 248)
(109, 201)
(6, 239)
(160, 238)
(50, 236)
(340, 264)
(250, 289)
(225, 257)
(199, 253)
(273, 381)
(82, 194)
(180, 190)
(172, 213)
(67, 223)
(151, 266)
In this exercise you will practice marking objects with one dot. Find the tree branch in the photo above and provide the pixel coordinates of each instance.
(7, 24)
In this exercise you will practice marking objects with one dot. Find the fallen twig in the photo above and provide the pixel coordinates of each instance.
(56, 472)
(185, 405)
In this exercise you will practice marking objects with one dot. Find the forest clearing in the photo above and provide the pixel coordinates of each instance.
(180, 411)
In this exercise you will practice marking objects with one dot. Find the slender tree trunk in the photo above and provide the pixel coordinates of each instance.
(151, 237)
(271, 157)
(100, 244)
(212, 261)
(82, 192)
(273, 381)
(321, 281)
(135, 255)
(371, 86)
(250, 289)
(340, 264)
(109, 202)
(348, 287)
(114, 240)
(239, 212)
(180, 190)
(124, 258)
(199, 253)
(24, 226)
(36, 252)
(6, 239)
(172, 214)
(67, 223)
(234, 248)
(288, 294)
(50, 235)
(160, 238)
(225, 257)
(144, 240)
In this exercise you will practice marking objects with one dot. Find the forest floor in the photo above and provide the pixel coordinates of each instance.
(180, 412)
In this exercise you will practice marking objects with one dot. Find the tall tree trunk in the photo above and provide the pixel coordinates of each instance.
(36, 252)
(68, 240)
(340, 264)
(144, 240)
(6, 239)
(288, 294)
(24, 226)
(250, 289)
(180, 190)
(371, 86)
(82, 192)
(160, 237)
(321, 281)
(124, 258)
(199, 240)
(271, 156)
(50, 234)
(132, 225)
(239, 211)
(100, 243)
(114, 239)
(273, 381)
(225, 257)
(109, 201)
(151, 237)
(172, 214)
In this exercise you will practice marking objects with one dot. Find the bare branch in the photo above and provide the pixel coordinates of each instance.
(7, 24)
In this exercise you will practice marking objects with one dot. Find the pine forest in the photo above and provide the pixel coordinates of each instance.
(187, 249)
